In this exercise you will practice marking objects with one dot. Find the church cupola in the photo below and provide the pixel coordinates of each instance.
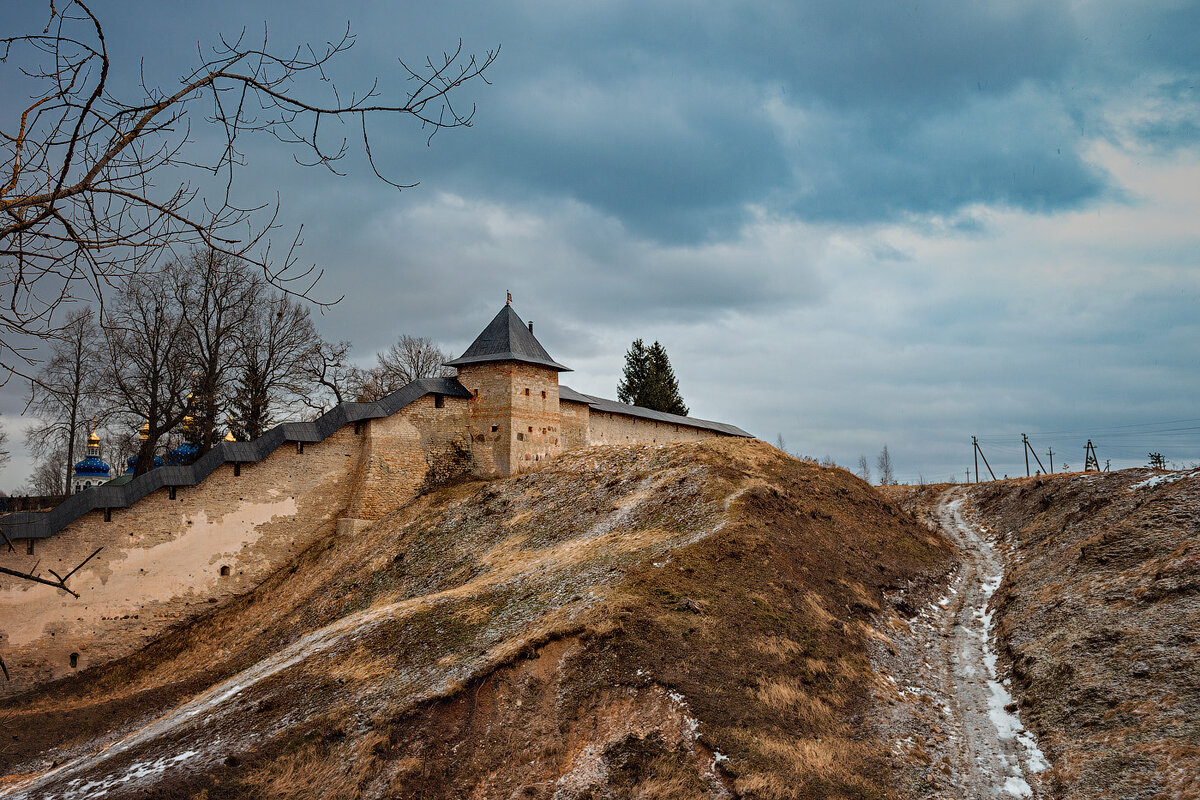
(93, 470)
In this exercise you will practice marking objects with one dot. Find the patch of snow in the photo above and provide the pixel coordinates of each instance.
(1160, 480)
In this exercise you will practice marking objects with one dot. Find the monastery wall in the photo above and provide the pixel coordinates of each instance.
(165, 561)
(428, 441)
(574, 424)
(606, 428)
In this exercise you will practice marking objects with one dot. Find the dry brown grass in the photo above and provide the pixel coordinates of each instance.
(787, 695)
(332, 772)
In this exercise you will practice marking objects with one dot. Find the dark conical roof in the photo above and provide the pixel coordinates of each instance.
(506, 338)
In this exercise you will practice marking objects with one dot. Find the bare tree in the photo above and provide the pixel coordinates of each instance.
(276, 351)
(50, 477)
(887, 474)
(95, 185)
(216, 296)
(864, 469)
(408, 359)
(147, 373)
(63, 393)
(328, 370)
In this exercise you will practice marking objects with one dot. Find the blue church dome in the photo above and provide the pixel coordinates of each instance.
(93, 465)
(184, 454)
(132, 460)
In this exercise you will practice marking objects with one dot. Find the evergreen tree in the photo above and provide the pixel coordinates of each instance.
(633, 385)
(649, 380)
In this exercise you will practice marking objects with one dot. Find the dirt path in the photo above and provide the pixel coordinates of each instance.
(956, 717)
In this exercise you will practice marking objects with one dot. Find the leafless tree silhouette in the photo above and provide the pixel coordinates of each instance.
(96, 187)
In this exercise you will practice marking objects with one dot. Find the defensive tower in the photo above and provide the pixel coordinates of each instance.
(515, 419)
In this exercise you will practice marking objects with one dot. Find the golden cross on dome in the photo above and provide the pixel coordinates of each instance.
(508, 302)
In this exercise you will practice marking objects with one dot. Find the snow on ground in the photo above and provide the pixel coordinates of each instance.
(1004, 752)
(1161, 480)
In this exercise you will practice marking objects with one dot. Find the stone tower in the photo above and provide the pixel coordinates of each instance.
(515, 419)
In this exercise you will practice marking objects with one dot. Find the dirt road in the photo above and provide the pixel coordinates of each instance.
(953, 714)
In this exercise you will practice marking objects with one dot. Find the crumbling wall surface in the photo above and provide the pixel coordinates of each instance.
(166, 561)
(606, 428)
(426, 443)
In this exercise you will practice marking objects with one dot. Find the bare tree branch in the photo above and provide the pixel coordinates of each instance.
(96, 187)
(59, 582)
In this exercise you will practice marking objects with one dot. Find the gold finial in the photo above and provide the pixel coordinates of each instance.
(144, 431)
(229, 437)
(508, 302)
(94, 438)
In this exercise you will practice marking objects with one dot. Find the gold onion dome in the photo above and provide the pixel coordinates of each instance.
(144, 431)
(94, 438)
(229, 437)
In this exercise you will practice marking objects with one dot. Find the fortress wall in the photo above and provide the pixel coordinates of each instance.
(162, 559)
(419, 445)
(606, 428)
(574, 425)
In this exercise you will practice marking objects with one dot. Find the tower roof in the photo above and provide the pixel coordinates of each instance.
(506, 338)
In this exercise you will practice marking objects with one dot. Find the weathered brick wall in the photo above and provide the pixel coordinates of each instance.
(515, 416)
(426, 442)
(574, 424)
(605, 428)
(163, 560)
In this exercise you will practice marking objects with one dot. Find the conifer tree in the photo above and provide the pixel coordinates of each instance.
(649, 380)
(633, 385)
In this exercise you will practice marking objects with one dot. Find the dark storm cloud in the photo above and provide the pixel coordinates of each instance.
(912, 221)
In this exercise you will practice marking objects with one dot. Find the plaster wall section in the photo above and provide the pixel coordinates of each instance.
(515, 421)
(425, 443)
(606, 428)
(574, 423)
(166, 560)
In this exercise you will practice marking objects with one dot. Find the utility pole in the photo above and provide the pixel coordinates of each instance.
(1025, 450)
(1029, 449)
(978, 455)
(1051, 452)
(968, 474)
(1090, 461)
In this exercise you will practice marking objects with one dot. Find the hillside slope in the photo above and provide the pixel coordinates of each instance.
(669, 621)
(1099, 618)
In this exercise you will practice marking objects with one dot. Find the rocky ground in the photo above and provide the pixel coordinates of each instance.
(1073, 609)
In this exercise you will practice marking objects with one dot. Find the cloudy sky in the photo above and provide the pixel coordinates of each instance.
(851, 224)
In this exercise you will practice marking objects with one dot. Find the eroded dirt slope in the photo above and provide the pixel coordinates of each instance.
(1099, 617)
(673, 621)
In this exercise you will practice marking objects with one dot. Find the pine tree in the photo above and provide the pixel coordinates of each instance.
(633, 385)
(650, 381)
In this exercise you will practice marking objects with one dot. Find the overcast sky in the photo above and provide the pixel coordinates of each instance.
(849, 223)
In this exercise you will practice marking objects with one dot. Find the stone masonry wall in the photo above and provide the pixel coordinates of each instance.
(166, 560)
(515, 416)
(426, 442)
(574, 424)
(605, 428)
